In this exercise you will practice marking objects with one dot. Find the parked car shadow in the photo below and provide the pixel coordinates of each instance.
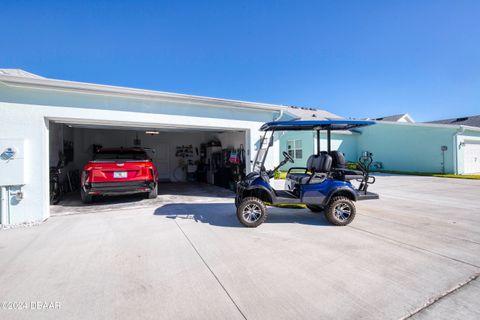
(224, 214)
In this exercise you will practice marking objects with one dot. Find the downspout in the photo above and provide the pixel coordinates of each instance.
(459, 130)
(3, 206)
(279, 116)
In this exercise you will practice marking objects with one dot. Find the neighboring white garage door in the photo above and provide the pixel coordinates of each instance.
(471, 157)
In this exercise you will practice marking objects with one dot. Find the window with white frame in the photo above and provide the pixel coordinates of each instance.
(294, 149)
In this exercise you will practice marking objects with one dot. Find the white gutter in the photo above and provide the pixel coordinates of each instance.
(90, 88)
(432, 125)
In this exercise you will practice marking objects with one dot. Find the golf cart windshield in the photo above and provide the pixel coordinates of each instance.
(265, 142)
(329, 125)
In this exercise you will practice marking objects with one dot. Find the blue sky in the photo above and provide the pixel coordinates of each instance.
(354, 58)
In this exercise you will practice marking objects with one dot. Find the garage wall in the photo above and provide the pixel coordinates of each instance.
(229, 139)
(84, 139)
(27, 123)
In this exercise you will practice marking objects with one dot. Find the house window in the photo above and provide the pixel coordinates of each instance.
(294, 149)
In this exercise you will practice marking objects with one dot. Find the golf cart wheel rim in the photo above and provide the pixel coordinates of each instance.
(342, 211)
(252, 212)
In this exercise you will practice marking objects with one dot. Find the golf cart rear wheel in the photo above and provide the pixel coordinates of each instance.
(314, 208)
(340, 211)
(251, 212)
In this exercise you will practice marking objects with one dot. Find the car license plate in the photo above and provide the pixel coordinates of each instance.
(120, 174)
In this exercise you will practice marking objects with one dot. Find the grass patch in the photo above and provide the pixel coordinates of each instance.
(289, 206)
(283, 174)
(280, 174)
(428, 174)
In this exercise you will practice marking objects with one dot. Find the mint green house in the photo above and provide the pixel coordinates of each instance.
(397, 143)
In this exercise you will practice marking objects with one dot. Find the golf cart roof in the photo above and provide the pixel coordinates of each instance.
(299, 125)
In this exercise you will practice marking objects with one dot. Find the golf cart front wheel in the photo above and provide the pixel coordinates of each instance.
(340, 211)
(251, 212)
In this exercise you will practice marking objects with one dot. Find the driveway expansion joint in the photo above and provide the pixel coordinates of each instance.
(439, 297)
(211, 271)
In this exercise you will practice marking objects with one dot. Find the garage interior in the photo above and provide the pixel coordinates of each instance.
(216, 157)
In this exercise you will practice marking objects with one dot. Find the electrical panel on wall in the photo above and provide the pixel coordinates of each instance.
(12, 166)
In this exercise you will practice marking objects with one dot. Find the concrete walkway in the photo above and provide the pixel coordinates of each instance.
(414, 253)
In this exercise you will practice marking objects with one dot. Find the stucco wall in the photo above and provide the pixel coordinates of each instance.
(398, 146)
(408, 147)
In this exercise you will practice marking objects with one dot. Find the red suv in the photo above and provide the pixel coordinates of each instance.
(116, 171)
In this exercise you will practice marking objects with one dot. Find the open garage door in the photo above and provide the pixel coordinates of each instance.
(214, 156)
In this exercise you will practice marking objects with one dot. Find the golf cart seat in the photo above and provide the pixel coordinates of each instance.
(320, 166)
(299, 176)
(339, 167)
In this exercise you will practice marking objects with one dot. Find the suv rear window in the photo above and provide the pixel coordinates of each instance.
(120, 155)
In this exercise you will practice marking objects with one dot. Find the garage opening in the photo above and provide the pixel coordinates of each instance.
(215, 157)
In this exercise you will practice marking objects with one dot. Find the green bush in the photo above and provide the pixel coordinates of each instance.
(352, 166)
(280, 174)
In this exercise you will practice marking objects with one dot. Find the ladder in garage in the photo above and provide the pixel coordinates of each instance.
(264, 143)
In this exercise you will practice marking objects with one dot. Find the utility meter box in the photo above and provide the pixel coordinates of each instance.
(12, 164)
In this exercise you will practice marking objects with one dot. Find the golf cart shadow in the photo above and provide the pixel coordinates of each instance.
(224, 214)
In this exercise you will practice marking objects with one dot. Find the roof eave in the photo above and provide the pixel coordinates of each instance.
(98, 89)
(424, 124)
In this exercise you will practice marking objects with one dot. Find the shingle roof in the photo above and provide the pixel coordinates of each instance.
(302, 113)
(472, 121)
(395, 118)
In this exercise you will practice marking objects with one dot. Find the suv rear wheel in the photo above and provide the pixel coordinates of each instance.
(153, 193)
(86, 198)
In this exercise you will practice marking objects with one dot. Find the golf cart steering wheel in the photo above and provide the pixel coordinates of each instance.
(288, 157)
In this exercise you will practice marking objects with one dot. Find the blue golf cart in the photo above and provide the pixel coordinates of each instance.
(323, 185)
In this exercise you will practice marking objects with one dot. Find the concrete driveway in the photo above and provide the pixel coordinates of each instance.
(414, 253)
